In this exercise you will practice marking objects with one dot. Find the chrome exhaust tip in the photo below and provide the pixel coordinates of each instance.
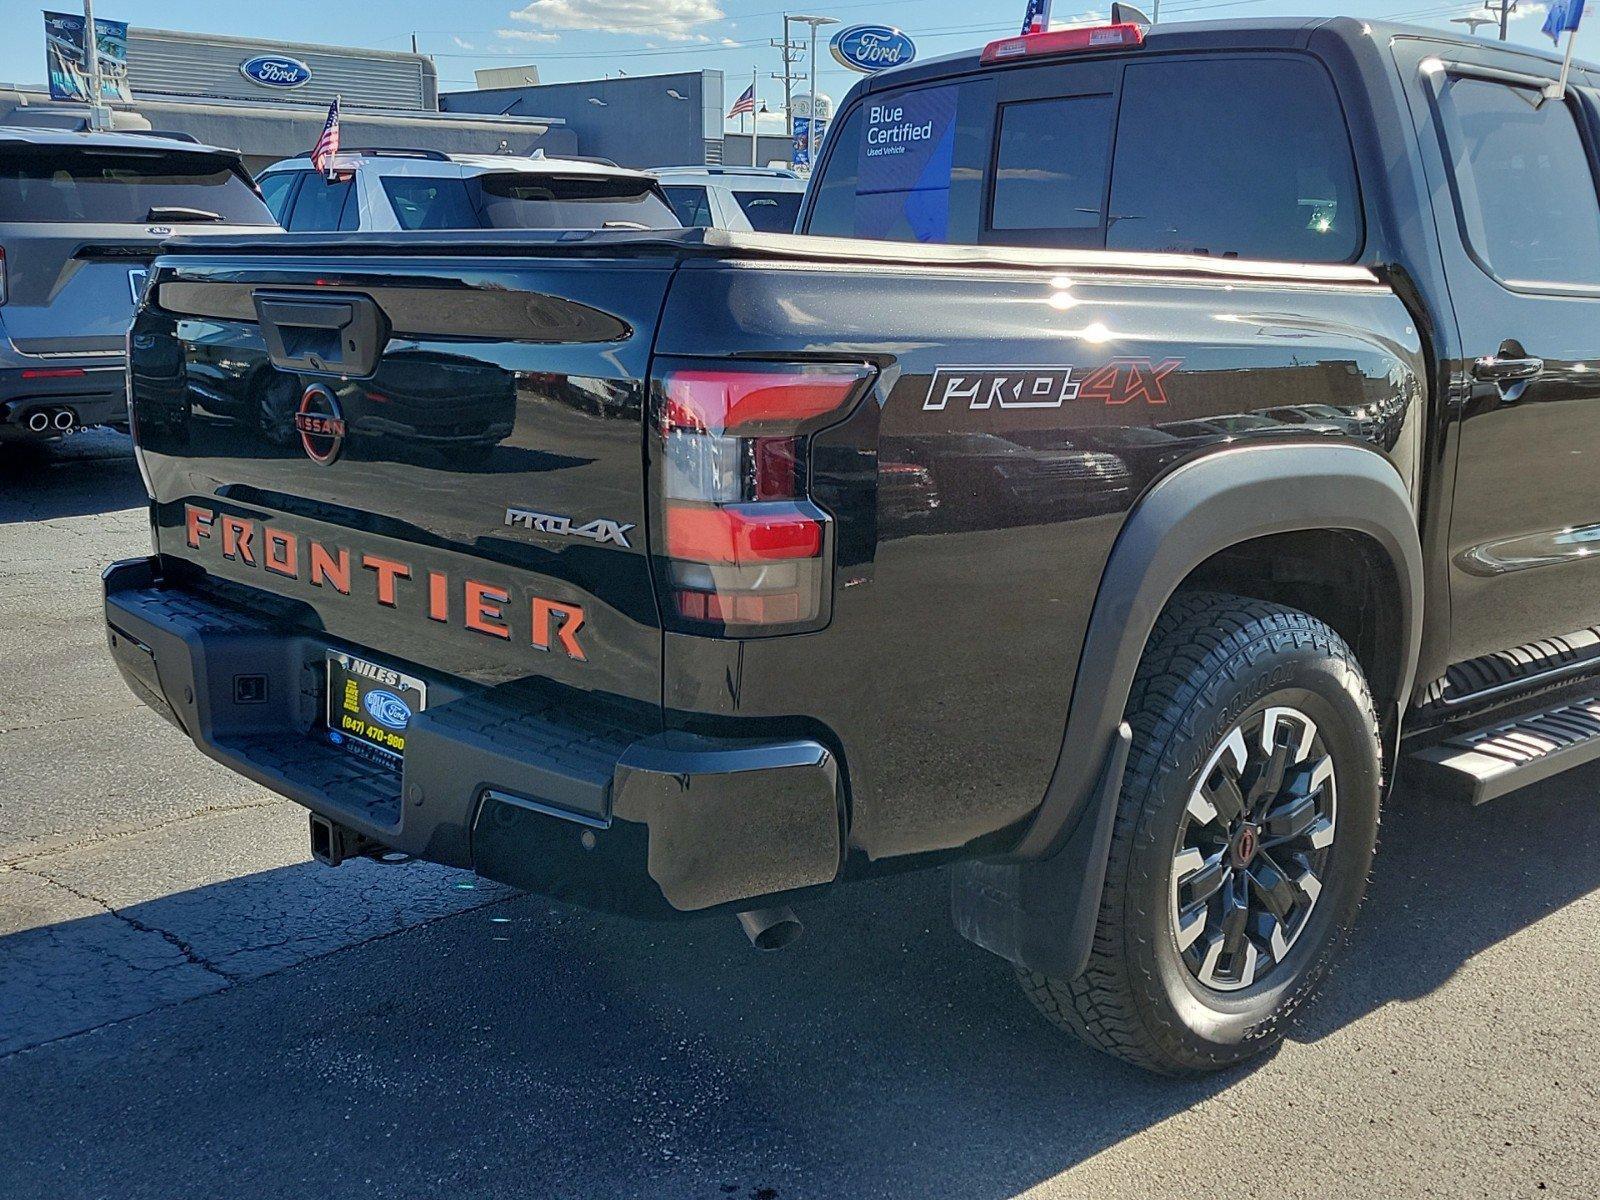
(38, 422)
(65, 419)
(771, 928)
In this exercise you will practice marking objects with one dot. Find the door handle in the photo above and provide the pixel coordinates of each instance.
(1494, 369)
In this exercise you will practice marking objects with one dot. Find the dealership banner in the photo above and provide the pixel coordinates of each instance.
(807, 141)
(69, 70)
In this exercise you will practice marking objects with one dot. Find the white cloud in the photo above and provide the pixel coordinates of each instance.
(1526, 12)
(674, 20)
(462, 42)
(527, 35)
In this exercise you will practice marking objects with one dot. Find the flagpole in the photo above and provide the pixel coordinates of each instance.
(1565, 15)
(1560, 90)
(755, 119)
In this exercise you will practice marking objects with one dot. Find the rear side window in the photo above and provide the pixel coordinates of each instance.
(1238, 157)
(124, 187)
(891, 169)
(690, 204)
(540, 201)
(770, 212)
(1050, 168)
(321, 206)
(275, 190)
(421, 203)
(1524, 187)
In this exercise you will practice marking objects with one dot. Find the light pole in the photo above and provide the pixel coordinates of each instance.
(99, 115)
(814, 22)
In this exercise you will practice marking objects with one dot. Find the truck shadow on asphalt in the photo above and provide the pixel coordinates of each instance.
(89, 472)
(526, 1048)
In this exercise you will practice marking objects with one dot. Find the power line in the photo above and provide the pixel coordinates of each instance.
(963, 30)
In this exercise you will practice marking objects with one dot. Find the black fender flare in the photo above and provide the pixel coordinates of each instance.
(1036, 906)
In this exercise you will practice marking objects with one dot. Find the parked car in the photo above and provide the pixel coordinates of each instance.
(81, 215)
(1140, 648)
(393, 190)
(759, 199)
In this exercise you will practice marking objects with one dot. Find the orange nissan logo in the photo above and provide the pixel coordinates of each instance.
(320, 423)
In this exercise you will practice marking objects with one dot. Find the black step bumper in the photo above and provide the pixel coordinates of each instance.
(519, 782)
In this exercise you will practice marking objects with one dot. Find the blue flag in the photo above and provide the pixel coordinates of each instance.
(1563, 15)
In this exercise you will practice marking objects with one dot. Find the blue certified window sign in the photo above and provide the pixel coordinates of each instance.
(903, 181)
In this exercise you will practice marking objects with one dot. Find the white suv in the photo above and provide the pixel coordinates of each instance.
(759, 199)
(426, 189)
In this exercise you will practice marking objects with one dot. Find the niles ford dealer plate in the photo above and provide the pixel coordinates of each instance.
(369, 707)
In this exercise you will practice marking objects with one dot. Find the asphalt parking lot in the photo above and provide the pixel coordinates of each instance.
(190, 1007)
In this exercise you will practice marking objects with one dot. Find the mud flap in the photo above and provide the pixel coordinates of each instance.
(1041, 914)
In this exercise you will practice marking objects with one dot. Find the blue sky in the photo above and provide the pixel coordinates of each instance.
(586, 39)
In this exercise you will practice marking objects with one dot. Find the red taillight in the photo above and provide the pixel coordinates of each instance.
(742, 547)
(747, 401)
(741, 534)
(1064, 41)
(52, 372)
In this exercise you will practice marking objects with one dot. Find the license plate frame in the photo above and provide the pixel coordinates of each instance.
(370, 706)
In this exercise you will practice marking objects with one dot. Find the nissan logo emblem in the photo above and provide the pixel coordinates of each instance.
(320, 423)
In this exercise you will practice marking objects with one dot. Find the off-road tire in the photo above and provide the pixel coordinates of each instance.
(1212, 661)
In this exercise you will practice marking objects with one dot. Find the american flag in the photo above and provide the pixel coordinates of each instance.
(1037, 18)
(328, 144)
(746, 103)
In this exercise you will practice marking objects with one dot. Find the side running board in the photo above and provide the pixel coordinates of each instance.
(1487, 763)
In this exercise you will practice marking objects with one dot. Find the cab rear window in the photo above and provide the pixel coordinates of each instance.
(73, 185)
(1234, 157)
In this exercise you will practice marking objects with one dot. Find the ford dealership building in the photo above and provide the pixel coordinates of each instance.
(269, 100)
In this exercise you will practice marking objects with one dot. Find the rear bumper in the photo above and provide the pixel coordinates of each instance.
(95, 397)
(517, 782)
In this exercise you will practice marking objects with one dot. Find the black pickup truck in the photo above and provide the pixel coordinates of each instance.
(1156, 438)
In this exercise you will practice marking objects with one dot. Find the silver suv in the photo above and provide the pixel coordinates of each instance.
(747, 199)
(397, 190)
(81, 216)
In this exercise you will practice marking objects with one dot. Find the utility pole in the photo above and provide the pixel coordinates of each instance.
(791, 55)
(1502, 11)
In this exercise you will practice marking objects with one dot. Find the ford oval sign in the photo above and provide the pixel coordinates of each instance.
(387, 709)
(275, 71)
(870, 48)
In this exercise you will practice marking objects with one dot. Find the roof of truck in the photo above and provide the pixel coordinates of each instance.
(1288, 32)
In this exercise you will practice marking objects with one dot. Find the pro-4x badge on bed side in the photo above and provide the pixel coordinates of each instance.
(1120, 381)
(612, 533)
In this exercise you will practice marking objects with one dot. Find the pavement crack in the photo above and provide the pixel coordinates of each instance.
(188, 952)
(32, 854)
(233, 982)
(5, 729)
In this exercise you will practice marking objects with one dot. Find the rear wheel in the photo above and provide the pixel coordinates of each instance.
(1245, 829)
